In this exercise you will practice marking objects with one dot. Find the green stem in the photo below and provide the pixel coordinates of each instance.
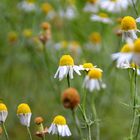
(75, 120)
(97, 122)
(138, 129)
(28, 130)
(68, 80)
(5, 131)
(58, 137)
(84, 100)
(134, 6)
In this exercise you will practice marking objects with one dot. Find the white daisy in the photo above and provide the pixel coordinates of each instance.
(93, 80)
(101, 17)
(114, 5)
(87, 66)
(66, 68)
(27, 6)
(3, 113)
(59, 127)
(129, 27)
(24, 114)
(124, 57)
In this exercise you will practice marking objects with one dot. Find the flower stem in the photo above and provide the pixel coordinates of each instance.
(58, 137)
(68, 80)
(28, 130)
(134, 6)
(5, 131)
(97, 122)
(138, 129)
(75, 120)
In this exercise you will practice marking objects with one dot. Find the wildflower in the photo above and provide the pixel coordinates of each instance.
(87, 66)
(123, 57)
(129, 28)
(93, 81)
(59, 126)
(46, 26)
(12, 37)
(40, 129)
(114, 6)
(101, 17)
(27, 5)
(3, 112)
(70, 98)
(27, 33)
(24, 114)
(66, 67)
(95, 38)
(92, 6)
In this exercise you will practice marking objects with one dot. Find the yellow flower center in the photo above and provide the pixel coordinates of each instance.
(92, 1)
(88, 65)
(23, 109)
(103, 15)
(133, 65)
(113, 0)
(137, 45)
(95, 73)
(59, 120)
(46, 8)
(27, 33)
(66, 60)
(3, 107)
(64, 44)
(12, 36)
(126, 48)
(128, 23)
(95, 37)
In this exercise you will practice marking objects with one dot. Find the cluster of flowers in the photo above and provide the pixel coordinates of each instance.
(129, 55)
(93, 80)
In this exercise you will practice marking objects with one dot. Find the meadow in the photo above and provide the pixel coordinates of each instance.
(32, 41)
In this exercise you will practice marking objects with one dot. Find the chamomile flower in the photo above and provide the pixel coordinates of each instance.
(136, 57)
(87, 66)
(3, 112)
(66, 68)
(129, 27)
(27, 5)
(93, 81)
(115, 6)
(92, 6)
(124, 57)
(59, 126)
(101, 17)
(24, 114)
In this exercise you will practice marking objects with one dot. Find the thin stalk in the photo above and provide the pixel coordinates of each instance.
(75, 120)
(84, 100)
(138, 129)
(87, 123)
(58, 137)
(97, 122)
(68, 80)
(134, 6)
(5, 131)
(28, 130)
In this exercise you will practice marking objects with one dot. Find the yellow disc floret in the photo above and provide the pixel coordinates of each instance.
(59, 120)
(103, 15)
(88, 65)
(3, 107)
(95, 73)
(128, 23)
(92, 1)
(126, 48)
(23, 109)
(66, 60)
(137, 46)
(46, 7)
(95, 37)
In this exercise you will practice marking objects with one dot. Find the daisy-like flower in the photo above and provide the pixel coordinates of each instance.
(124, 57)
(66, 68)
(93, 80)
(129, 27)
(87, 66)
(92, 6)
(136, 57)
(59, 126)
(3, 112)
(101, 17)
(27, 5)
(115, 6)
(24, 114)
